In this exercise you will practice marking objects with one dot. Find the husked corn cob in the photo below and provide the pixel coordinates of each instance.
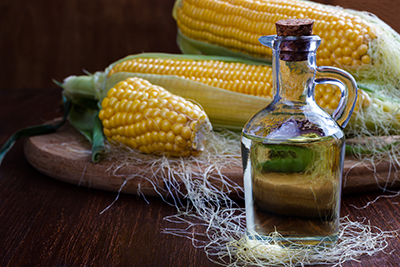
(237, 77)
(352, 40)
(148, 118)
(237, 25)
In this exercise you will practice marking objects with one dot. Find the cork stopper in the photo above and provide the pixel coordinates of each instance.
(294, 50)
(294, 27)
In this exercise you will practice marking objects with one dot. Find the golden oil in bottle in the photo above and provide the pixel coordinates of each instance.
(293, 188)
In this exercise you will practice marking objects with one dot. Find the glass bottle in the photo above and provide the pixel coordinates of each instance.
(293, 151)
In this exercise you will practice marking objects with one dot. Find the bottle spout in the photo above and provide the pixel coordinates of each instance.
(267, 40)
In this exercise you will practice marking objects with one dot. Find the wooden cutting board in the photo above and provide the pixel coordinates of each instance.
(65, 155)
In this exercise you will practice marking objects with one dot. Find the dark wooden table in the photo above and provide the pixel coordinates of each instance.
(45, 222)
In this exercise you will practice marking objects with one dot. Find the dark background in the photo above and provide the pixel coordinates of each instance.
(41, 40)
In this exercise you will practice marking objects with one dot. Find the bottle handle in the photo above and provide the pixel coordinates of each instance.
(348, 88)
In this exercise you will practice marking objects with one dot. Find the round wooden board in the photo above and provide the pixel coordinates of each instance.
(65, 155)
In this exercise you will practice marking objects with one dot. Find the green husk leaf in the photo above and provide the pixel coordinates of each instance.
(79, 87)
(84, 117)
(34, 130)
(194, 47)
(81, 117)
(98, 146)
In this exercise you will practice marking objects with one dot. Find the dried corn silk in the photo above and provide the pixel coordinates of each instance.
(215, 222)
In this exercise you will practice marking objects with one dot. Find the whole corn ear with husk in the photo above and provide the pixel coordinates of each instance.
(355, 41)
(230, 90)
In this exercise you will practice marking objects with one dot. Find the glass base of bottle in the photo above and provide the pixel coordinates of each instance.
(295, 242)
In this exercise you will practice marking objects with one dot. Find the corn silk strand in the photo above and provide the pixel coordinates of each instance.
(210, 214)
(382, 117)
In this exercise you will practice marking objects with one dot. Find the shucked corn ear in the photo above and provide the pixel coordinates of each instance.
(238, 77)
(200, 78)
(355, 41)
(150, 119)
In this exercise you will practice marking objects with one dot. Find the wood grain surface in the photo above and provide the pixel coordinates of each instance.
(65, 155)
(46, 222)
(43, 40)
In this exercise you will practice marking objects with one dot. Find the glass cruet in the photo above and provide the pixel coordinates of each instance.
(292, 150)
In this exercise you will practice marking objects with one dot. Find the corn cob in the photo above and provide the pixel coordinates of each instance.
(243, 78)
(354, 41)
(224, 107)
(148, 118)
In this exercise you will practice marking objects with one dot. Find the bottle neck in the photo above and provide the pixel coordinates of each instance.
(294, 66)
(293, 80)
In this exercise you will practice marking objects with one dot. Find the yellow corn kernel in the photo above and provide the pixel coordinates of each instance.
(237, 25)
(170, 137)
(166, 126)
(177, 128)
(142, 129)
